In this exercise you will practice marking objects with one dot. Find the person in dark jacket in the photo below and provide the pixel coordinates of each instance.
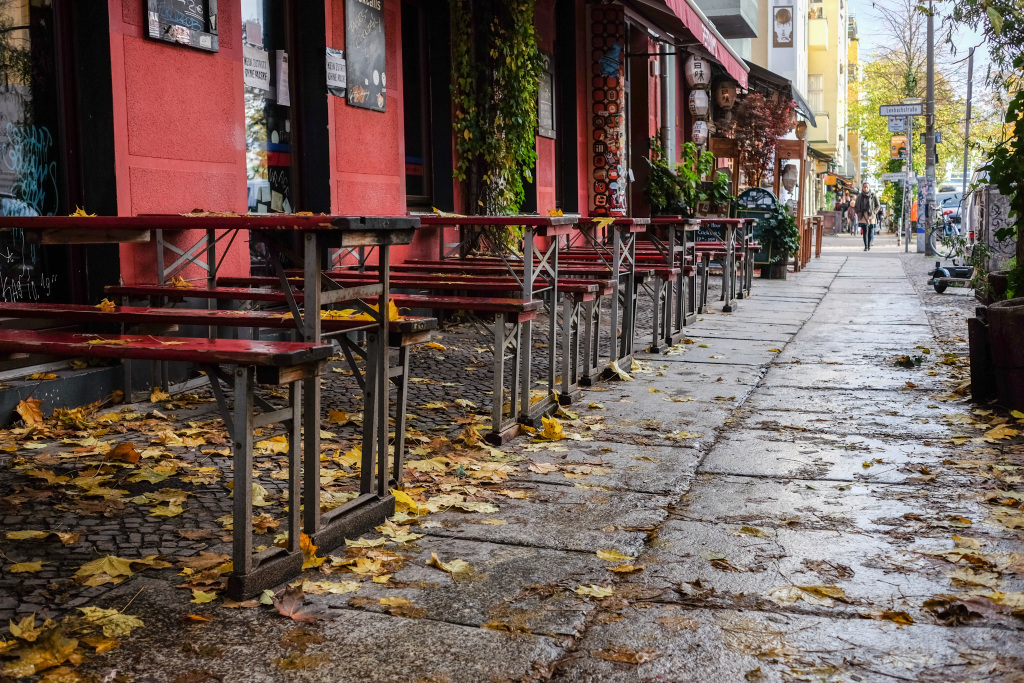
(866, 207)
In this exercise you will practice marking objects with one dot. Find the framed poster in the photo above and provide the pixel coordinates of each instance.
(192, 23)
(782, 24)
(364, 49)
(546, 100)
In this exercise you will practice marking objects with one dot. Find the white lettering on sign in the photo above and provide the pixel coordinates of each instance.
(375, 4)
(256, 67)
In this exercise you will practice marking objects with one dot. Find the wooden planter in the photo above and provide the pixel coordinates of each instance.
(1006, 339)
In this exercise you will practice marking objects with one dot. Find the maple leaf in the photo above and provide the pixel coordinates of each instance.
(201, 597)
(106, 305)
(166, 511)
(29, 411)
(124, 452)
(436, 346)
(180, 282)
(453, 567)
(309, 558)
(51, 650)
(26, 628)
(622, 374)
(290, 605)
(113, 623)
(365, 542)
(25, 568)
(596, 591)
(332, 587)
(542, 467)
(26, 535)
(613, 556)
(38, 376)
(107, 568)
(551, 430)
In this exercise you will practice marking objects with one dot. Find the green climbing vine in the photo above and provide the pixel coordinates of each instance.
(496, 70)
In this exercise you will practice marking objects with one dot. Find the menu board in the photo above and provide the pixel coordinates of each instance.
(192, 23)
(364, 47)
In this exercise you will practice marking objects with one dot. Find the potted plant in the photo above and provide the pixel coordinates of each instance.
(780, 238)
(677, 191)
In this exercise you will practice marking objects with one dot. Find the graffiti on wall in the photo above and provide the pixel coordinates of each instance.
(607, 42)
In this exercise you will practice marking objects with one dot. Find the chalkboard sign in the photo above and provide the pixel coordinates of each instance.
(711, 232)
(759, 203)
(192, 23)
(364, 45)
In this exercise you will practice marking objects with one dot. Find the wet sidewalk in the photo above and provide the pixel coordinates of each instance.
(773, 500)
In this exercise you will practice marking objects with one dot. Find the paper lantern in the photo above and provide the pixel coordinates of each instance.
(801, 130)
(700, 133)
(789, 176)
(700, 103)
(698, 72)
(725, 94)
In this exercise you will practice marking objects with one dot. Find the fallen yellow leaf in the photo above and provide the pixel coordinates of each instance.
(29, 411)
(25, 568)
(596, 591)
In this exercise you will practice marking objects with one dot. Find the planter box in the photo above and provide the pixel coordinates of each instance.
(1006, 339)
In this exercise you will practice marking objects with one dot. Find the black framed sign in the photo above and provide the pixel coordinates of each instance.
(192, 23)
(364, 48)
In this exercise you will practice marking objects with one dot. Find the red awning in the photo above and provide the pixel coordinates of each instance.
(675, 14)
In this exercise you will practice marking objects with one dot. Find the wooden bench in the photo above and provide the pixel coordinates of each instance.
(403, 335)
(239, 365)
(509, 315)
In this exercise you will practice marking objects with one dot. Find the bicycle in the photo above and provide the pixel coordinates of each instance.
(945, 238)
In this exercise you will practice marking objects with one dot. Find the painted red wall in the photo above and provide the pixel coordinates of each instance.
(368, 147)
(179, 143)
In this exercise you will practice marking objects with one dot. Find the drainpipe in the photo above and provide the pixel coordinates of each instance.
(668, 101)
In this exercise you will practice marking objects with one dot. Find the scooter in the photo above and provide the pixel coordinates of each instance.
(956, 276)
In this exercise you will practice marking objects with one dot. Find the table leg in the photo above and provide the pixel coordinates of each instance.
(311, 387)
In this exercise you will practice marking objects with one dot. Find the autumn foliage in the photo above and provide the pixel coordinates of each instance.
(759, 123)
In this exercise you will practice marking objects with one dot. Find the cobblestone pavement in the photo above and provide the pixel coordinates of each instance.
(776, 500)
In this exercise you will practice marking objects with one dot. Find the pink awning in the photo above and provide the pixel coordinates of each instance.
(679, 11)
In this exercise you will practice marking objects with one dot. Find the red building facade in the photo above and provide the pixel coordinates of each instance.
(150, 124)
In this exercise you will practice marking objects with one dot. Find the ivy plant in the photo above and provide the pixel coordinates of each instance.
(496, 70)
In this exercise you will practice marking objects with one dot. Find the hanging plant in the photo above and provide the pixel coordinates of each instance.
(496, 70)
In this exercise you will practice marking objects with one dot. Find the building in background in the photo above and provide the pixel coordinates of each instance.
(827, 79)
(854, 144)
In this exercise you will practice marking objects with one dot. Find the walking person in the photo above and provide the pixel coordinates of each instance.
(866, 207)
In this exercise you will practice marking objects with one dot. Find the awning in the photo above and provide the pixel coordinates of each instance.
(759, 73)
(684, 20)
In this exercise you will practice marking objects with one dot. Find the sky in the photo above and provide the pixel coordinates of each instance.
(871, 34)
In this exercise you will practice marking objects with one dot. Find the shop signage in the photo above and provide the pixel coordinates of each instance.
(337, 72)
(192, 23)
(255, 67)
(364, 44)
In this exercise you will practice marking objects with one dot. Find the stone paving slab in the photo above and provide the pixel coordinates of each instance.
(258, 646)
(843, 376)
(561, 517)
(729, 645)
(726, 566)
(827, 505)
(644, 469)
(810, 455)
(906, 403)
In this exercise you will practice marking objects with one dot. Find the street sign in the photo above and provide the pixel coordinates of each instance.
(894, 177)
(897, 124)
(901, 110)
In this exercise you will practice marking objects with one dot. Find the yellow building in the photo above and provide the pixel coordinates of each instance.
(852, 97)
(828, 78)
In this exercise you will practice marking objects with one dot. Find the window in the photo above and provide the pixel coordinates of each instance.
(268, 134)
(416, 100)
(815, 92)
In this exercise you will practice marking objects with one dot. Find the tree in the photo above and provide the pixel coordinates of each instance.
(898, 71)
(759, 123)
